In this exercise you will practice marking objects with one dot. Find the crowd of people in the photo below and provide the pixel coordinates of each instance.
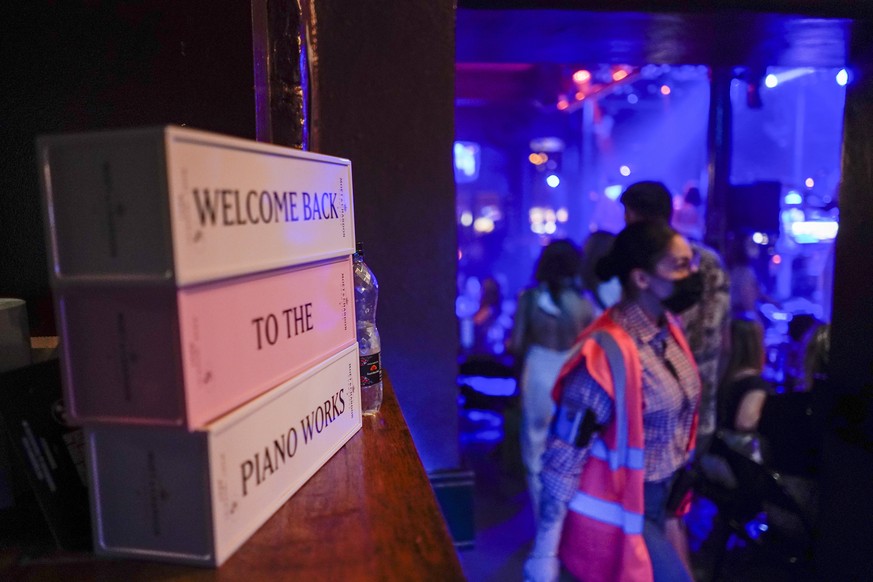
(635, 353)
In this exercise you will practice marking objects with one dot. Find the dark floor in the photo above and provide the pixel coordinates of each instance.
(503, 517)
(505, 527)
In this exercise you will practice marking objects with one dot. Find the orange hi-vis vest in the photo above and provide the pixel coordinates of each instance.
(602, 538)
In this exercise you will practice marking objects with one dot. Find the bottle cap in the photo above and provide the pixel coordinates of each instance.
(359, 248)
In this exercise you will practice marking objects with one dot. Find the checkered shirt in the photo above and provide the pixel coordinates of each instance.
(669, 402)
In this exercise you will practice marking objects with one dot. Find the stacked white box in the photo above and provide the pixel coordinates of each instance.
(182, 357)
(195, 497)
(178, 205)
(151, 232)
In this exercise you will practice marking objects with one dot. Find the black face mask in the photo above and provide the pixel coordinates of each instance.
(686, 293)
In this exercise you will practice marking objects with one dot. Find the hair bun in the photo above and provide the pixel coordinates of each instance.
(607, 267)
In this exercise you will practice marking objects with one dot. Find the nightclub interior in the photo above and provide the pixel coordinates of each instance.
(556, 114)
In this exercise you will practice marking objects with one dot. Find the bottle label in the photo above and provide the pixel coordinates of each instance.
(371, 369)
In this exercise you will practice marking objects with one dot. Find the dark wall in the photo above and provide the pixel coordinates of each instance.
(382, 96)
(77, 66)
(846, 530)
(833, 8)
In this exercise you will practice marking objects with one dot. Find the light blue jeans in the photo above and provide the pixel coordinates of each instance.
(541, 368)
(666, 563)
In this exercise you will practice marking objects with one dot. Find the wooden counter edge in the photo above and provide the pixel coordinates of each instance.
(369, 513)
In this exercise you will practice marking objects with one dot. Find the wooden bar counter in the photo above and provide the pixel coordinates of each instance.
(368, 514)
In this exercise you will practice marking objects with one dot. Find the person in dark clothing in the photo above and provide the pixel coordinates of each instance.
(705, 323)
(743, 390)
(605, 293)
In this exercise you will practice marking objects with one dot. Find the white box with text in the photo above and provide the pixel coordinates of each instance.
(172, 204)
(195, 497)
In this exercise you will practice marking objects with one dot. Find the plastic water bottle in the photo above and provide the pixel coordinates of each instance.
(366, 296)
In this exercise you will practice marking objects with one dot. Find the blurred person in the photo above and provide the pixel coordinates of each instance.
(799, 328)
(740, 462)
(625, 424)
(486, 316)
(604, 293)
(741, 397)
(688, 219)
(705, 323)
(792, 427)
(743, 389)
(746, 289)
(816, 361)
(791, 423)
(548, 318)
(747, 292)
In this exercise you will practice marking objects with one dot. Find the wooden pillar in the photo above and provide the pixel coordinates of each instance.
(382, 92)
(845, 531)
(279, 39)
(719, 144)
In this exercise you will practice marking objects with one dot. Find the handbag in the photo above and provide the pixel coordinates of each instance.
(679, 497)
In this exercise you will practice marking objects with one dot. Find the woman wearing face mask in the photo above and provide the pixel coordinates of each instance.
(625, 424)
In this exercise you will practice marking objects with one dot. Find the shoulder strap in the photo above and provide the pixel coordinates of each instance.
(619, 384)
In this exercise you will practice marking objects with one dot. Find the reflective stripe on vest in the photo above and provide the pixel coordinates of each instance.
(607, 512)
(631, 458)
(619, 387)
(566, 427)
